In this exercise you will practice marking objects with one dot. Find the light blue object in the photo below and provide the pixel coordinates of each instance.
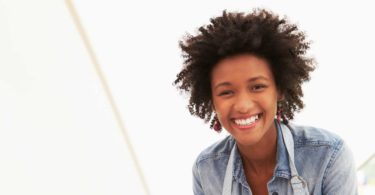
(322, 164)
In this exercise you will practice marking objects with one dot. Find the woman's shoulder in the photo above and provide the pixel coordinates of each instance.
(313, 136)
(323, 158)
(219, 149)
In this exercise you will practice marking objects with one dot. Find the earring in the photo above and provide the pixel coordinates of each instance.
(279, 112)
(215, 124)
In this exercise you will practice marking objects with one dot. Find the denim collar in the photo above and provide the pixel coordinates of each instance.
(282, 168)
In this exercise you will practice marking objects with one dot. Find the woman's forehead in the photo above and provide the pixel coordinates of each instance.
(244, 66)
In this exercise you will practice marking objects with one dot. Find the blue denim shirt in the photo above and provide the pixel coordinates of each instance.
(322, 160)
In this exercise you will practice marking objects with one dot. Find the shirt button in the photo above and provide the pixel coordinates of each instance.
(275, 193)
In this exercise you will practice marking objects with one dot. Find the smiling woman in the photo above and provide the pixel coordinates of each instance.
(244, 97)
(244, 73)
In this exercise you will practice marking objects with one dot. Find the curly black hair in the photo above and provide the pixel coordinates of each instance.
(261, 33)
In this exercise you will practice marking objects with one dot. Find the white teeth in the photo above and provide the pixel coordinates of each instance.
(247, 121)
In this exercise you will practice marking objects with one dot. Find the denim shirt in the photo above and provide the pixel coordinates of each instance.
(322, 161)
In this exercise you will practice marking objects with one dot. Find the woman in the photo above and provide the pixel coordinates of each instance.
(244, 73)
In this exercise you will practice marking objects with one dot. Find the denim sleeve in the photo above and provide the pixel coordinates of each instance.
(197, 187)
(340, 176)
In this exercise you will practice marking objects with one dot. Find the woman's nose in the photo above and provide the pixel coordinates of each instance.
(243, 103)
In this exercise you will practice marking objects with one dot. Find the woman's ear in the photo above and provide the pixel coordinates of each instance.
(280, 96)
(213, 107)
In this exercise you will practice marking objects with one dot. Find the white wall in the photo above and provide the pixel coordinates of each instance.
(58, 133)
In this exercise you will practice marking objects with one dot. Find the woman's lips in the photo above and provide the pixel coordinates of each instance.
(248, 122)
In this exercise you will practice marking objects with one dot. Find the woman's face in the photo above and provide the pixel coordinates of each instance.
(245, 98)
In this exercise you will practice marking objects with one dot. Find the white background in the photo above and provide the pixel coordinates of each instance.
(58, 134)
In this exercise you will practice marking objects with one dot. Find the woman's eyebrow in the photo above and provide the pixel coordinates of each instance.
(222, 84)
(252, 79)
(257, 78)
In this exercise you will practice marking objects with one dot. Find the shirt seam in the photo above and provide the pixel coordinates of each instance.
(211, 156)
(312, 143)
(332, 160)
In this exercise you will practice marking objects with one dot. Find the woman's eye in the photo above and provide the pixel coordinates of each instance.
(258, 87)
(224, 93)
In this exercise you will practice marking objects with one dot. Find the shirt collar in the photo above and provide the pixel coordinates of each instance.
(282, 166)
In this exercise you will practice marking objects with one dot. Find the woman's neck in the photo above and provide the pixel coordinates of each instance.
(260, 158)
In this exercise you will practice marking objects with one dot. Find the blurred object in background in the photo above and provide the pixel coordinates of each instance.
(366, 177)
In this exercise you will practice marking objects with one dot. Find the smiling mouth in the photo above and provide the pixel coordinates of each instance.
(245, 122)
